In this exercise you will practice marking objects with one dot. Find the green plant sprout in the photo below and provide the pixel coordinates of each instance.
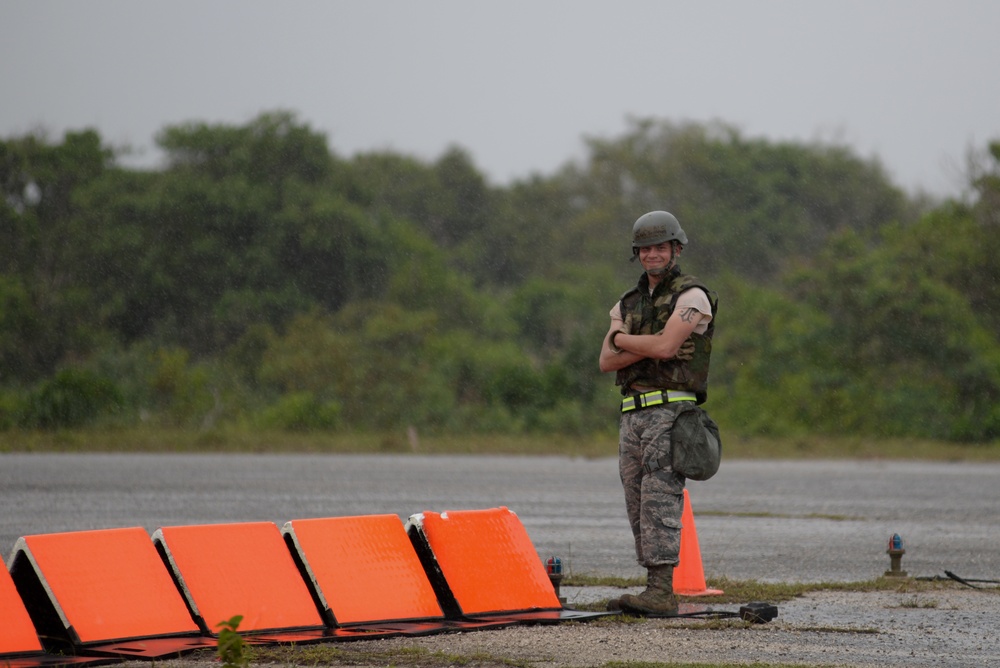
(230, 645)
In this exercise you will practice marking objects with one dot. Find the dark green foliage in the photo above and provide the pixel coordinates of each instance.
(260, 280)
(301, 411)
(70, 399)
(749, 206)
(45, 260)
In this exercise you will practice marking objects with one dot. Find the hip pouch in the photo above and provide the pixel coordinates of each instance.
(695, 443)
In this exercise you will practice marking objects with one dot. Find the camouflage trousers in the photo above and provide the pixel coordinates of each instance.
(654, 501)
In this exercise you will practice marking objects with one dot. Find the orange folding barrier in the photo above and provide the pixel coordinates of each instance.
(244, 569)
(17, 633)
(363, 569)
(19, 643)
(90, 591)
(482, 562)
(367, 577)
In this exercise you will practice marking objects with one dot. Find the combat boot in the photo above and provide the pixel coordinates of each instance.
(658, 598)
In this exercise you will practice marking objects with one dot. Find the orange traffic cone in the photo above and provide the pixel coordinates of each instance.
(689, 576)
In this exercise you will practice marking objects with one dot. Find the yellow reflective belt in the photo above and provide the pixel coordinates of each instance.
(655, 398)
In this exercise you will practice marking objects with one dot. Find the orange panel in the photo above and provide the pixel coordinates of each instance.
(488, 561)
(365, 568)
(239, 569)
(109, 584)
(17, 633)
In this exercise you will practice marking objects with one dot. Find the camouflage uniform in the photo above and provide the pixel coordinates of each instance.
(654, 493)
(654, 502)
(648, 313)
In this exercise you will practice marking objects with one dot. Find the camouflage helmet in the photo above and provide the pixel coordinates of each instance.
(656, 227)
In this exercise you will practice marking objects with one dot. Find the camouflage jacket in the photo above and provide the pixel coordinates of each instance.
(649, 315)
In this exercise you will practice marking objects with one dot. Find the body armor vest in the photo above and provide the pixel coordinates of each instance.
(650, 313)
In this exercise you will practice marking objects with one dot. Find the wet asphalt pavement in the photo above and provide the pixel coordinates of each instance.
(775, 521)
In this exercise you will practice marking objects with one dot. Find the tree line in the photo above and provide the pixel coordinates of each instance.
(259, 279)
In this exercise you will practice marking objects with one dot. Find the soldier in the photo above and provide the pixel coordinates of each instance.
(659, 344)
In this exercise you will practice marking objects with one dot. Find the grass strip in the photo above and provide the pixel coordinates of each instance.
(247, 440)
(741, 591)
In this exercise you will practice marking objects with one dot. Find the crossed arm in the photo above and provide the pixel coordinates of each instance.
(635, 347)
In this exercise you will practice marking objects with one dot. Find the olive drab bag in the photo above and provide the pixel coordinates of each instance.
(695, 442)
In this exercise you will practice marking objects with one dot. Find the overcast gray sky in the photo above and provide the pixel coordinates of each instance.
(517, 83)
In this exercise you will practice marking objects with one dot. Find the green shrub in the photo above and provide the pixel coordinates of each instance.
(12, 406)
(183, 390)
(72, 398)
(301, 411)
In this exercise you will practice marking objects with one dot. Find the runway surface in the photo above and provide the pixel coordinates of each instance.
(775, 521)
